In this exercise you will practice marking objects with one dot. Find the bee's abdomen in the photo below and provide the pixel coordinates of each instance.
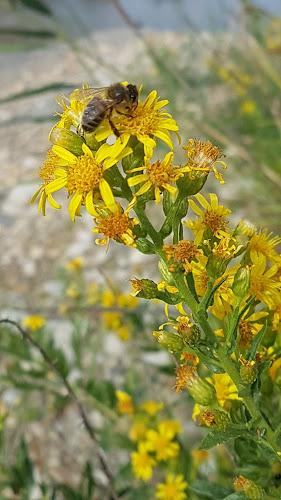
(94, 114)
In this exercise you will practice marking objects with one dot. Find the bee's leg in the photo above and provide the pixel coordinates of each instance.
(114, 129)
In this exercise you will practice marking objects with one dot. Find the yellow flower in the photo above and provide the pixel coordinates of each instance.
(262, 244)
(74, 264)
(117, 226)
(108, 298)
(126, 301)
(92, 293)
(248, 328)
(203, 158)
(263, 285)
(47, 174)
(83, 177)
(247, 107)
(161, 444)
(72, 291)
(225, 388)
(173, 489)
(34, 322)
(125, 404)
(146, 121)
(182, 253)
(211, 218)
(142, 463)
(199, 456)
(123, 333)
(276, 310)
(159, 175)
(224, 298)
(275, 371)
(137, 431)
(169, 428)
(151, 407)
(112, 320)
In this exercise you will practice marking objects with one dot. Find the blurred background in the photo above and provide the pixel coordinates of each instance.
(218, 63)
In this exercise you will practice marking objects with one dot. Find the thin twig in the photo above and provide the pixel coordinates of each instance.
(88, 426)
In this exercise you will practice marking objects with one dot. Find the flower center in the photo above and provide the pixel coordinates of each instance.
(114, 225)
(160, 174)
(83, 176)
(246, 333)
(46, 172)
(213, 220)
(142, 121)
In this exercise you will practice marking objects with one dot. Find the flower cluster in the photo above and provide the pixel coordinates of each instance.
(225, 282)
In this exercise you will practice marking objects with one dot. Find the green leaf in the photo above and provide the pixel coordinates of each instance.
(28, 33)
(210, 490)
(36, 5)
(251, 354)
(213, 438)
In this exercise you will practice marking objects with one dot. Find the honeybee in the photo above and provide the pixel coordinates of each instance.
(102, 102)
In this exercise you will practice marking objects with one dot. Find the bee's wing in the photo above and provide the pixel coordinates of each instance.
(87, 93)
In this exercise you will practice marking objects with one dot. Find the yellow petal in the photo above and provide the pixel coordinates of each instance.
(63, 153)
(74, 205)
(107, 195)
(137, 179)
(53, 203)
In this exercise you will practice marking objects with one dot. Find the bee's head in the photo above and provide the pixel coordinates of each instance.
(133, 93)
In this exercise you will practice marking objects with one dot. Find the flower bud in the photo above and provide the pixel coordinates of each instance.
(144, 288)
(248, 371)
(66, 139)
(215, 266)
(189, 186)
(241, 282)
(251, 489)
(214, 419)
(170, 341)
(200, 389)
(190, 333)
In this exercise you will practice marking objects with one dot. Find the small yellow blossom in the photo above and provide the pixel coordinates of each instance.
(247, 107)
(125, 404)
(74, 264)
(108, 298)
(173, 489)
(263, 284)
(275, 371)
(137, 431)
(34, 322)
(262, 244)
(72, 291)
(200, 456)
(146, 121)
(151, 407)
(117, 226)
(161, 445)
(169, 428)
(47, 174)
(225, 388)
(126, 301)
(112, 320)
(142, 463)
(203, 157)
(123, 332)
(211, 219)
(159, 176)
(249, 328)
(182, 253)
(92, 293)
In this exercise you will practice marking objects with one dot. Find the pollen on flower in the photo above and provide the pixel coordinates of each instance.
(117, 226)
(49, 166)
(84, 175)
(183, 372)
(182, 252)
(247, 333)
(203, 157)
